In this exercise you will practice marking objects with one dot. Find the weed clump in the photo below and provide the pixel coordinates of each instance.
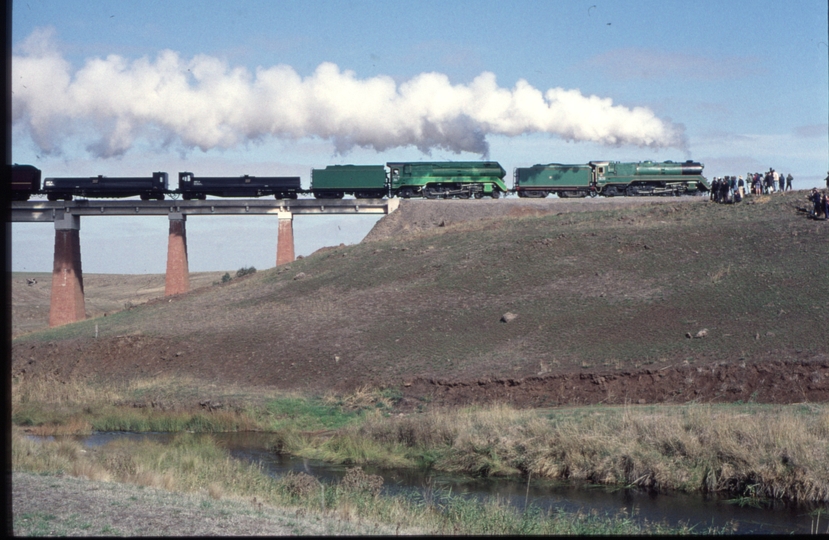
(357, 480)
(300, 485)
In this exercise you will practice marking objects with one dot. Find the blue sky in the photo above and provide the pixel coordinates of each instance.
(738, 85)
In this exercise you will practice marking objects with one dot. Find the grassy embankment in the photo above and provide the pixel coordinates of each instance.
(747, 450)
(610, 288)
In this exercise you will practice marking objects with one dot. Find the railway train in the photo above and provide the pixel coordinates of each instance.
(430, 180)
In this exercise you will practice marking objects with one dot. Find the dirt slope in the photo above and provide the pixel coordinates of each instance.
(605, 291)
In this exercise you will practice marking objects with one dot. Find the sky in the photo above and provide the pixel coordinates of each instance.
(271, 88)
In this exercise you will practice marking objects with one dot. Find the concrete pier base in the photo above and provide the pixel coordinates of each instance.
(178, 273)
(67, 301)
(285, 239)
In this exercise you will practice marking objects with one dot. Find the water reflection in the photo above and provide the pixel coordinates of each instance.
(703, 511)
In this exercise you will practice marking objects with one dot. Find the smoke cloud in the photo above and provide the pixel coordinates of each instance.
(204, 103)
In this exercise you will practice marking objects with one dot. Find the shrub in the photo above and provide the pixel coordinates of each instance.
(226, 277)
(245, 271)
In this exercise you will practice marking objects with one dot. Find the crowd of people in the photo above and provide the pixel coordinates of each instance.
(731, 189)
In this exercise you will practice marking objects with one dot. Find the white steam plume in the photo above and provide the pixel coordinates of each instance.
(202, 102)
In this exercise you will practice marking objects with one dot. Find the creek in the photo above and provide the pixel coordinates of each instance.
(759, 517)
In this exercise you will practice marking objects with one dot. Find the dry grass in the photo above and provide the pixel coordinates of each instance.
(59, 391)
(72, 406)
(751, 450)
(774, 452)
(195, 465)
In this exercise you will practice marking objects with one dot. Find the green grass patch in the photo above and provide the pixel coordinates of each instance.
(307, 414)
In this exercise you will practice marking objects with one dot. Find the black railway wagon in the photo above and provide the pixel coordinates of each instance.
(104, 187)
(25, 182)
(281, 187)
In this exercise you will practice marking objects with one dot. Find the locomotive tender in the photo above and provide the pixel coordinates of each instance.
(362, 181)
(431, 180)
(610, 179)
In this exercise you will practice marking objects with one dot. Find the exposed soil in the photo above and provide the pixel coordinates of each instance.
(766, 382)
(609, 296)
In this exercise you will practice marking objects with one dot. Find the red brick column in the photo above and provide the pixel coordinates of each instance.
(178, 274)
(67, 303)
(285, 239)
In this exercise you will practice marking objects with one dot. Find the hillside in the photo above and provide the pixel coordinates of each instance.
(104, 293)
(606, 293)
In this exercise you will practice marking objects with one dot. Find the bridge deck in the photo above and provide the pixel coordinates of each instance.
(48, 211)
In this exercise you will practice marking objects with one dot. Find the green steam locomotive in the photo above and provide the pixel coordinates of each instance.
(610, 179)
(431, 180)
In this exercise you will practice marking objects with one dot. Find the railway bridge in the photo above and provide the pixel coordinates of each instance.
(67, 297)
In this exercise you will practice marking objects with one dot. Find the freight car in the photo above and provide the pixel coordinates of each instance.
(610, 179)
(154, 187)
(25, 182)
(447, 179)
(281, 187)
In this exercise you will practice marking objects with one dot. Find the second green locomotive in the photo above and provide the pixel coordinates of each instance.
(611, 179)
(432, 180)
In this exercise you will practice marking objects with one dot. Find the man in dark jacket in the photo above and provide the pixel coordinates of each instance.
(817, 203)
(724, 187)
